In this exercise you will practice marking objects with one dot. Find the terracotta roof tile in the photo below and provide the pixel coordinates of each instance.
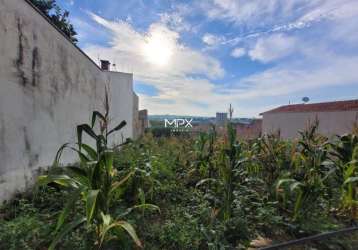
(317, 107)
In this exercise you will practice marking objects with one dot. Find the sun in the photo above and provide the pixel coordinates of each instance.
(158, 49)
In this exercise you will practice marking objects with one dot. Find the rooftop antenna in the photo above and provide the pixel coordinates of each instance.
(305, 99)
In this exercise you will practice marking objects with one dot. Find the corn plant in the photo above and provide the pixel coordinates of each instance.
(342, 151)
(270, 157)
(305, 183)
(94, 183)
(231, 153)
(344, 155)
(228, 167)
(200, 162)
(303, 193)
(204, 153)
(350, 186)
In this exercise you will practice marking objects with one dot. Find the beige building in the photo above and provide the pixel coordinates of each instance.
(334, 118)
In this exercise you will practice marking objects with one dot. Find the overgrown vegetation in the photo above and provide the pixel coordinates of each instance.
(214, 192)
(95, 183)
(57, 16)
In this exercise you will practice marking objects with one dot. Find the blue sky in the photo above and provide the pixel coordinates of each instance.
(197, 57)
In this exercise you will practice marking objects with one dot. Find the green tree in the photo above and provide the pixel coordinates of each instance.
(57, 16)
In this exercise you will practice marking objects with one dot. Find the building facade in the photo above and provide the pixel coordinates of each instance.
(47, 87)
(334, 118)
(221, 119)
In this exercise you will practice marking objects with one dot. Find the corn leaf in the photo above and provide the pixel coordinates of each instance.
(88, 130)
(204, 181)
(351, 180)
(119, 127)
(96, 114)
(80, 174)
(141, 206)
(90, 151)
(59, 154)
(91, 204)
(117, 184)
(108, 159)
(66, 229)
(69, 205)
(127, 227)
(63, 180)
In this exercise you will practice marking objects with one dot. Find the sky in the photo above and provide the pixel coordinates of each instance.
(196, 57)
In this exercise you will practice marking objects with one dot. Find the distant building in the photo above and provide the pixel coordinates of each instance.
(221, 119)
(249, 130)
(334, 118)
(143, 120)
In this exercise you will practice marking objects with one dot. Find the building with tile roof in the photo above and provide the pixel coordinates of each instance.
(337, 117)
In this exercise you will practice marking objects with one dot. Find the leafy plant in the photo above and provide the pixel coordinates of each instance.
(203, 151)
(215, 192)
(94, 183)
(309, 175)
(350, 185)
(344, 155)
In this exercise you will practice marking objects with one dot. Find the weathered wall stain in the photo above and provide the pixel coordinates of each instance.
(33, 158)
(63, 54)
(54, 91)
(19, 62)
(35, 66)
(34, 36)
(2, 134)
(26, 141)
(2, 180)
(2, 24)
(3, 148)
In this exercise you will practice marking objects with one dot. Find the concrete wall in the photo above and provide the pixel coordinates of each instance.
(330, 123)
(47, 87)
(249, 131)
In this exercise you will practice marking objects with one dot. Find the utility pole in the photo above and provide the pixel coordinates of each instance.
(231, 111)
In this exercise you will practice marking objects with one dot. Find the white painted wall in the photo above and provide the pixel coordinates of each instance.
(330, 123)
(47, 87)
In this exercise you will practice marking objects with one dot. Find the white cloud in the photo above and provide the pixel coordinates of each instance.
(185, 82)
(143, 54)
(211, 39)
(175, 21)
(273, 47)
(288, 78)
(256, 13)
(128, 43)
(264, 17)
(253, 12)
(238, 52)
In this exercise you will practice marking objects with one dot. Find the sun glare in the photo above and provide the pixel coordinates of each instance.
(158, 49)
